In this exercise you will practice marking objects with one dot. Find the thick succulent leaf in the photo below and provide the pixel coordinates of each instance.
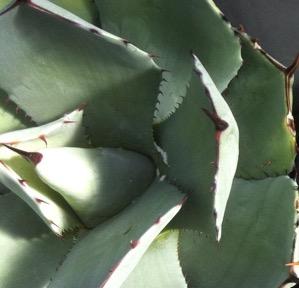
(85, 9)
(107, 255)
(29, 252)
(227, 138)
(170, 29)
(47, 203)
(49, 45)
(196, 152)
(260, 100)
(258, 233)
(97, 183)
(159, 266)
(19, 176)
(66, 131)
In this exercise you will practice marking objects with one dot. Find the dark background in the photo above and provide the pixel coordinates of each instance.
(275, 23)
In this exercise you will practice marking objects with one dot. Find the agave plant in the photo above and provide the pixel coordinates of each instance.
(126, 168)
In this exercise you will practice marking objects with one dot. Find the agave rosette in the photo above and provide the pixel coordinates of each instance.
(123, 169)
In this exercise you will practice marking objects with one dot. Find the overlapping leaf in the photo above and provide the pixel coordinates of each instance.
(107, 255)
(30, 253)
(261, 100)
(170, 29)
(257, 241)
(19, 176)
(56, 61)
(198, 147)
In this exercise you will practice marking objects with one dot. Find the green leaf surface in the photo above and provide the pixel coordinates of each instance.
(85, 9)
(107, 255)
(87, 65)
(260, 102)
(97, 183)
(19, 176)
(159, 266)
(257, 241)
(170, 29)
(29, 252)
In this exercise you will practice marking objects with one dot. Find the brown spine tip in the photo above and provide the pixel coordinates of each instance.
(241, 28)
(220, 124)
(158, 220)
(134, 243)
(33, 157)
(40, 201)
(22, 181)
(125, 41)
(82, 106)
(183, 201)
(68, 122)
(290, 71)
(44, 139)
(95, 31)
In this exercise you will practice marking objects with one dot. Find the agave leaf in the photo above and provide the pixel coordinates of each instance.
(170, 29)
(98, 182)
(65, 131)
(85, 9)
(107, 255)
(29, 252)
(196, 152)
(227, 137)
(257, 241)
(262, 89)
(19, 176)
(49, 45)
(160, 264)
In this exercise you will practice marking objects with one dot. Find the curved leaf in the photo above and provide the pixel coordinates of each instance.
(257, 241)
(196, 152)
(227, 137)
(19, 176)
(261, 101)
(29, 252)
(88, 65)
(97, 183)
(107, 255)
(169, 29)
